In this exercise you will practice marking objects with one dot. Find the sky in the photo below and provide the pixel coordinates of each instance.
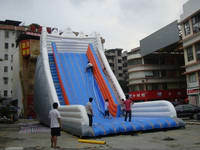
(122, 23)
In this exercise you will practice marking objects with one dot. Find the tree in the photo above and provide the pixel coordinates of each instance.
(124, 86)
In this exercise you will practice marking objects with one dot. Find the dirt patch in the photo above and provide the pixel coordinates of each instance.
(168, 139)
(4, 140)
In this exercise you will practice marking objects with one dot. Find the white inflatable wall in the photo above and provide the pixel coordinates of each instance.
(160, 108)
(74, 114)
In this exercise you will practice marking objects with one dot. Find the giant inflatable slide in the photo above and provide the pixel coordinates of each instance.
(61, 77)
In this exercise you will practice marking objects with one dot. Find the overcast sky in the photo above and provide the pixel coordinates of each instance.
(123, 23)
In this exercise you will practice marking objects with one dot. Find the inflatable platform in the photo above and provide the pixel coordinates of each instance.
(61, 77)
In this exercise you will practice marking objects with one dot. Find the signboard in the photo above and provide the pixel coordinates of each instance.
(25, 47)
(193, 91)
(157, 94)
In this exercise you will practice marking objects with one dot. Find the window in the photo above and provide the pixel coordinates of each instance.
(141, 87)
(5, 69)
(110, 57)
(6, 45)
(119, 60)
(135, 61)
(137, 87)
(156, 74)
(13, 44)
(164, 86)
(192, 78)
(124, 71)
(190, 53)
(5, 79)
(119, 53)
(187, 28)
(149, 87)
(155, 87)
(6, 57)
(120, 68)
(11, 58)
(148, 73)
(5, 92)
(124, 58)
(11, 68)
(163, 73)
(151, 60)
(197, 48)
(196, 23)
(111, 64)
(6, 34)
(125, 65)
(120, 75)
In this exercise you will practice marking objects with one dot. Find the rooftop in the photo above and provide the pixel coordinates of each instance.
(10, 22)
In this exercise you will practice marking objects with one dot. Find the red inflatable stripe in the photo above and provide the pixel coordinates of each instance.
(101, 83)
(60, 80)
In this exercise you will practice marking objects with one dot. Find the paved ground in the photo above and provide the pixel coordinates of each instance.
(29, 135)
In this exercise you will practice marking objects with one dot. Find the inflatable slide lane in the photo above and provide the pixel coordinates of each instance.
(61, 77)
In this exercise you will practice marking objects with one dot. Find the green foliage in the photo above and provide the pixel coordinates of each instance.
(124, 86)
(6, 109)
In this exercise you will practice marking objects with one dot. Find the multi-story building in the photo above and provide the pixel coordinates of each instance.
(19, 48)
(190, 23)
(118, 62)
(154, 68)
(9, 31)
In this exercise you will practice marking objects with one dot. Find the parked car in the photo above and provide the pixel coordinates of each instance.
(187, 110)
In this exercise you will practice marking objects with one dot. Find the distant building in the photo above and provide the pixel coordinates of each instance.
(19, 48)
(9, 31)
(155, 68)
(118, 62)
(190, 25)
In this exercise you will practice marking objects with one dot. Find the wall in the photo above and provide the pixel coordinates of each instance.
(11, 40)
(189, 8)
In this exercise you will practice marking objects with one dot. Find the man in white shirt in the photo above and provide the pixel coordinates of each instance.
(89, 110)
(55, 125)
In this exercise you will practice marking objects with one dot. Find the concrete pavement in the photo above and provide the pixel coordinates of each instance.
(29, 135)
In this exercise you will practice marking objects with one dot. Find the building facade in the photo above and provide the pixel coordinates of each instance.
(118, 62)
(190, 25)
(155, 68)
(9, 31)
(156, 76)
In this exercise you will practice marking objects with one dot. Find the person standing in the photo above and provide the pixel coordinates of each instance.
(55, 125)
(89, 111)
(106, 109)
(128, 104)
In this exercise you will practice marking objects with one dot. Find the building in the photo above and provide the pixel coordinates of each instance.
(9, 31)
(155, 68)
(190, 25)
(118, 62)
(19, 48)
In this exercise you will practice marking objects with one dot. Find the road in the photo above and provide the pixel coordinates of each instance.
(30, 135)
